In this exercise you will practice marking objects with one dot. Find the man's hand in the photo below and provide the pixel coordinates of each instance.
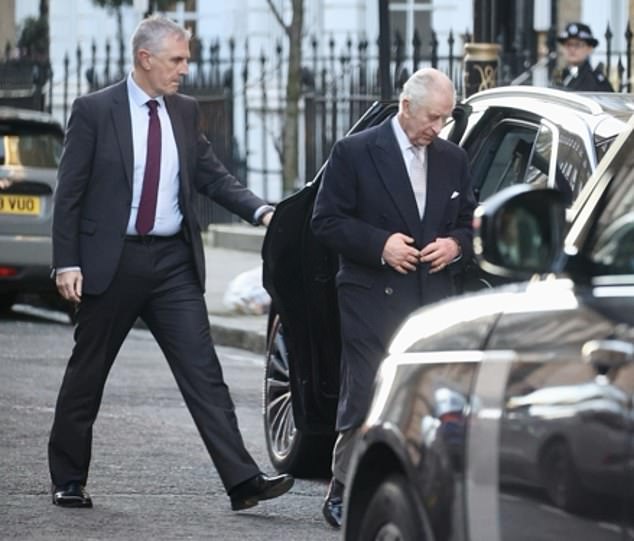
(399, 255)
(440, 253)
(266, 219)
(69, 285)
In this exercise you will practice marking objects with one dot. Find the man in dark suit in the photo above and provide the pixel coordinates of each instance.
(578, 44)
(126, 244)
(396, 204)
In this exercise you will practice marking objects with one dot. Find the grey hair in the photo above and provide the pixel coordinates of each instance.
(152, 31)
(424, 81)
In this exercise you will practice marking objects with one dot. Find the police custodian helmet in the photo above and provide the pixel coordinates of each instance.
(578, 31)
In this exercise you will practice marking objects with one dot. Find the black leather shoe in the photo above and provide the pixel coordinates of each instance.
(260, 487)
(71, 495)
(333, 504)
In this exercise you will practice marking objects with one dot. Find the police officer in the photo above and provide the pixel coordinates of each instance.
(578, 44)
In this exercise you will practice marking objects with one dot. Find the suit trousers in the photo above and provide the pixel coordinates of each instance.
(157, 282)
(342, 453)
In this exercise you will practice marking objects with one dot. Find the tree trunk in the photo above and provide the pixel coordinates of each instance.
(121, 41)
(290, 150)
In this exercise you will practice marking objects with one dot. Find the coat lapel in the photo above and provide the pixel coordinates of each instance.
(437, 187)
(123, 127)
(390, 166)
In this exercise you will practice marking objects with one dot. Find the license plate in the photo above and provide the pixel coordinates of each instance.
(28, 205)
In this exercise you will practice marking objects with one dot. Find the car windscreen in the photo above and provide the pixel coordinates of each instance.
(29, 145)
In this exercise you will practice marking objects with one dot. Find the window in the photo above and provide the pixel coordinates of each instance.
(503, 159)
(177, 5)
(29, 147)
(538, 169)
(183, 12)
(407, 16)
(612, 244)
(573, 161)
(602, 146)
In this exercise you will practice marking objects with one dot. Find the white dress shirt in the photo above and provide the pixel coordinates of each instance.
(417, 171)
(168, 213)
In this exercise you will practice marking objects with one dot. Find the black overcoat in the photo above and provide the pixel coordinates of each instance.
(586, 80)
(365, 197)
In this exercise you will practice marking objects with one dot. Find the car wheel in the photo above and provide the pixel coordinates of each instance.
(560, 478)
(290, 449)
(391, 514)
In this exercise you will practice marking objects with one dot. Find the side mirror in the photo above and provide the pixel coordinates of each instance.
(520, 231)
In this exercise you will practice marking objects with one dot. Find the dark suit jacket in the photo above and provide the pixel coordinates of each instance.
(94, 192)
(365, 197)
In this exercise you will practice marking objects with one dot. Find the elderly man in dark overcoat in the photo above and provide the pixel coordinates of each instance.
(396, 204)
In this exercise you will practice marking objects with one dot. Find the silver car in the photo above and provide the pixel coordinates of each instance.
(31, 145)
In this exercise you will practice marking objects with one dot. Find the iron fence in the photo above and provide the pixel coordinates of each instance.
(242, 93)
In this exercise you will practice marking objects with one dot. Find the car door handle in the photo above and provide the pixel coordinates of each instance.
(605, 355)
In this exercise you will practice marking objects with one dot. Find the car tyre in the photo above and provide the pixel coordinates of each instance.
(290, 449)
(391, 513)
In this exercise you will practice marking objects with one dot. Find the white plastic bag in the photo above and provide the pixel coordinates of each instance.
(246, 295)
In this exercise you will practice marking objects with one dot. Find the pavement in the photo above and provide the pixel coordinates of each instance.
(230, 251)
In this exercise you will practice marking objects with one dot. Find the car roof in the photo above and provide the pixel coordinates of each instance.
(620, 106)
(27, 115)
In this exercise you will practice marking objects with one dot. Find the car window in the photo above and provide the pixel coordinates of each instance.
(571, 165)
(602, 146)
(503, 158)
(537, 172)
(573, 161)
(29, 146)
(611, 243)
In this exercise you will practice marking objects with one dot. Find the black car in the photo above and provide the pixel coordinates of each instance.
(540, 443)
(513, 135)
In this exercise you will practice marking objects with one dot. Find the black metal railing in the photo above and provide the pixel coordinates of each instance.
(242, 92)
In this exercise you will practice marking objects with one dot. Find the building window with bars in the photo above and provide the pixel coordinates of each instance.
(409, 18)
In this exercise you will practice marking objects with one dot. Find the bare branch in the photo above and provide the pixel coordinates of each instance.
(278, 16)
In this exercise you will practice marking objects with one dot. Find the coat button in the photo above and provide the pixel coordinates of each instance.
(389, 291)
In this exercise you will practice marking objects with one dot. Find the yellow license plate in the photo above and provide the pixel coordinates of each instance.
(19, 204)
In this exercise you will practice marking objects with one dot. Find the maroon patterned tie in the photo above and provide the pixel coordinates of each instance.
(147, 205)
